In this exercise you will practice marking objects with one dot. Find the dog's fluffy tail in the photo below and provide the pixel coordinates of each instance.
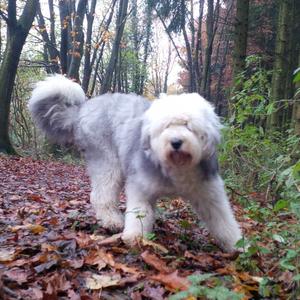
(54, 107)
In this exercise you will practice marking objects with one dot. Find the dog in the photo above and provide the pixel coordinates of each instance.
(162, 148)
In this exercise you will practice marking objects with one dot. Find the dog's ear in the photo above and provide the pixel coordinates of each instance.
(211, 139)
(209, 166)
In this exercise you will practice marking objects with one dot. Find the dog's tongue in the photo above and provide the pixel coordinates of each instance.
(180, 158)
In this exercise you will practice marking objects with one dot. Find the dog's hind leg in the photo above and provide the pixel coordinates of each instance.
(213, 207)
(106, 181)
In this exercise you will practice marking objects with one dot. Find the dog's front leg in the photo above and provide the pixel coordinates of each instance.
(139, 216)
(213, 207)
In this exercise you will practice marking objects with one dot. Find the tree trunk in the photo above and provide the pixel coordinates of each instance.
(16, 37)
(52, 22)
(198, 48)
(49, 46)
(296, 109)
(87, 70)
(240, 37)
(77, 41)
(121, 19)
(146, 47)
(280, 70)
(65, 24)
(296, 103)
(205, 82)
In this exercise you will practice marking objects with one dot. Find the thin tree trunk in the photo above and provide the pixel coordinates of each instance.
(16, 37)
(146, 47)
(208, 51)
(64, 34)
(50, 47)
(77, 42)
(198, 48)
(52, 23)
(87, 69)
(121, 19)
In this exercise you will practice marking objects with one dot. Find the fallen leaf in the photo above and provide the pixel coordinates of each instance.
(36, 198)
(154, 245)
(204, 260)
(57, 283)
(17, 274)
(52, 260)
(75, 263)
(99, 258)
(153, 293)
(154, 261)
(96, 282)
(126, 269)
(172, 281)
(36, 229)
(110, 240)
(7, 254)
(73, 295)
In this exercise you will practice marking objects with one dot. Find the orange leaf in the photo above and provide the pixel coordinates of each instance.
(154, 261)
(172, 281)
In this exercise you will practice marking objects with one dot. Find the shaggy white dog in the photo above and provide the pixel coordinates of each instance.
(166, 148)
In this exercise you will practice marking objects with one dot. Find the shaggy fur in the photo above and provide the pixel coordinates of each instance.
(166, 148)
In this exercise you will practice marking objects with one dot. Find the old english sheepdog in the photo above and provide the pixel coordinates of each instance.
(161, 149)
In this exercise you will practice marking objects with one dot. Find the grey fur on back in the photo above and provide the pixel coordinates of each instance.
(56, 118)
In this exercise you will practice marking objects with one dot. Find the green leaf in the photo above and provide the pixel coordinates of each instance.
(280, 205)
(270, 108)
(296, 75)
(196, 279)
(296, 170)
(296, 278)
(222, 293)
(264, 289)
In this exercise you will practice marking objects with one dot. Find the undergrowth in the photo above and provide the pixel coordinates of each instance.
(261, 168)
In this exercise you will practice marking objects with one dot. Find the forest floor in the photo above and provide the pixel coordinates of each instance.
(52, 248)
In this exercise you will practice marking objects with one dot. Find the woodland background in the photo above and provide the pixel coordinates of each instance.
(241, 55)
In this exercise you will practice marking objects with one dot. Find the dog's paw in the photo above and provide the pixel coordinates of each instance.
(131, 238)
(112, 220)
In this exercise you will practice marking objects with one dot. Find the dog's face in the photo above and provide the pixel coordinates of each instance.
(179, 131)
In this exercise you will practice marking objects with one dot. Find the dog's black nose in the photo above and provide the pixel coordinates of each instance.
(176, 143)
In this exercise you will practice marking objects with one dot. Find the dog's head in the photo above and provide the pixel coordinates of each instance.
(180, 131)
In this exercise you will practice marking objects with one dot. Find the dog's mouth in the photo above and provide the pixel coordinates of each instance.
(180, 158)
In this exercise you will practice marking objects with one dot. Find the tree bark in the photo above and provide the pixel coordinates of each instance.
(205, 82)
(87, 69)
(240, 37)
(65, 24)
(280, 70)
(146, 47)
(77, 41)
(50, 47)
(16, 36)
(120, 24)
(296, 103)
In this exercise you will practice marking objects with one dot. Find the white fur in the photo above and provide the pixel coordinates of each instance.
(187, 117)
(58, 84)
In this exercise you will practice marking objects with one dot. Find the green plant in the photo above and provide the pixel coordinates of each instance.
(199, 289)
